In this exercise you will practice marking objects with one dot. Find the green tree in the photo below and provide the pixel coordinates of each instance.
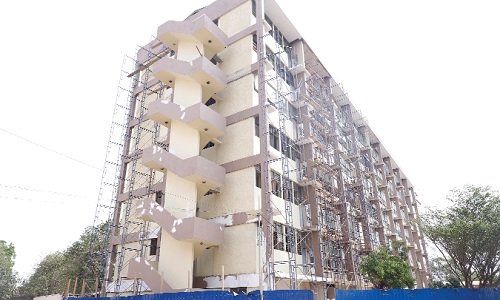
(8, 278)
(467, 235)
(387, 268)
(77, 261)
(442, 276)
(48, 277)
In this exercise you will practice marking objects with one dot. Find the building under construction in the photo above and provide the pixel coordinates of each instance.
(236, 162)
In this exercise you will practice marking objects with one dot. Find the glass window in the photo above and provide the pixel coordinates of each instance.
(298, 193)
(257, 128)
(290, 239)
(276, 183)
(153, 247)
(257, 176)
(274, 137)
(278, 237)
(285, 145)
(287, 189)
(295, 152)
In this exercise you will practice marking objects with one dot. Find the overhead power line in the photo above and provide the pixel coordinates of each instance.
(27, 189)
(50, 149)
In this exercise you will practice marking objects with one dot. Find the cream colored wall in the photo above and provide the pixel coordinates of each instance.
(184, 140)
(176, 261)
(237, 56)
(204, 264)
(284, 267)
(146, 138)
(278, 204)
(187, 92)
(236, 195)
(180, 196)
(189, 50)
(256, 144)
(237, 142)
(237, 19)
(163, 134)
(129, 254)
(176, 258)
(147, 97)
(255, 95)
(140, 180)
(290, 128)
(237, 253)
(210, 153)
(277, 165)
(133, 227)
(236, 97)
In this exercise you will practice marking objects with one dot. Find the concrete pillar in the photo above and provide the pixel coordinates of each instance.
(176, 259)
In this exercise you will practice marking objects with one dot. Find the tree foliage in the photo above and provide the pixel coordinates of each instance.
(387, 268)
(52, 274)
(442, 276)
(8, 278)
(467, 235)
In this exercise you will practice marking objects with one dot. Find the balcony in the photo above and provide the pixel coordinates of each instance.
(297, 68)
(205, 173)
(152, 53)
(391, 234)
(365, 148)
(382, 185)
(199, 116)
(304, 140)
(202, 233)
(201, 29)
(201, 70)
(311, 99)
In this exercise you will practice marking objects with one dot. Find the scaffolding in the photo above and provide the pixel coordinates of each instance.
(111, 172)
(125, 181)
(278, 93)
(337, 210)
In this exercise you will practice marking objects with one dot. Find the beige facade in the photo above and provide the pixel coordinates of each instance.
(245, 165)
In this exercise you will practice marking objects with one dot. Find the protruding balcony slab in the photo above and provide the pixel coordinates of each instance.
(201, 29)
(201, 70)
(205, 173)
(152, 52)
(199, 116)
(201, 232)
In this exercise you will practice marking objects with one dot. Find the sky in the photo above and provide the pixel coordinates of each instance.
(425, 74)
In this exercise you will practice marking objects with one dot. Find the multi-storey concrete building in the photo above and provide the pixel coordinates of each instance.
(244, 165)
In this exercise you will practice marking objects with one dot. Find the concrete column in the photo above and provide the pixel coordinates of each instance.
(176, 259)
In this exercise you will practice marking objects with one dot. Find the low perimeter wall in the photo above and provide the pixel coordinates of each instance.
(217, 295)
(420, 294)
